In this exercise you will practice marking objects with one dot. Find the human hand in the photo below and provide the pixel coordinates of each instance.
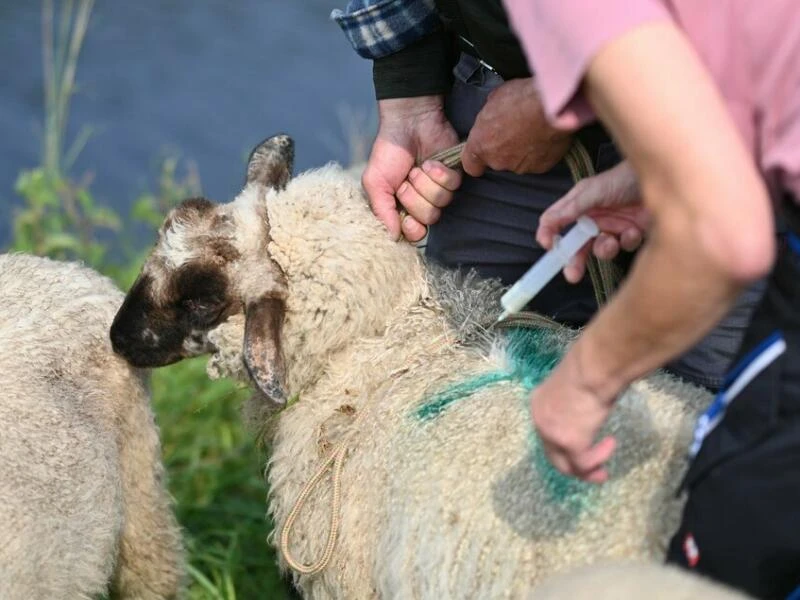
(612, 200)
(511, 133)
(567, 416)
(410, 129)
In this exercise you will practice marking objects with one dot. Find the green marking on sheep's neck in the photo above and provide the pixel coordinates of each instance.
(531, 354)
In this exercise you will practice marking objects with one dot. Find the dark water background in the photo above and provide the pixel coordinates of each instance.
(202, 79)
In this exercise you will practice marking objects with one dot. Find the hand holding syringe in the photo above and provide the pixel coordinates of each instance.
(548, 266)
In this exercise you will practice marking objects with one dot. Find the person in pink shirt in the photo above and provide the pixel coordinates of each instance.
(703, 97)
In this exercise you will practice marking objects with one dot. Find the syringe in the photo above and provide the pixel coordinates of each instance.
(548, 266)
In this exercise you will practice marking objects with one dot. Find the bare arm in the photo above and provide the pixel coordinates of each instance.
(712, 233)
(713, 226)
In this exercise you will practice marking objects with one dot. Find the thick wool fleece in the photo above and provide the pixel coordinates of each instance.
(633, 581)
(83, 506)
(450, 502)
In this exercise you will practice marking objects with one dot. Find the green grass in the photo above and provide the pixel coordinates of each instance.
(216, 478)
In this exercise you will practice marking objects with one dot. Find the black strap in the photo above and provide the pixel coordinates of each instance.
(790, 210)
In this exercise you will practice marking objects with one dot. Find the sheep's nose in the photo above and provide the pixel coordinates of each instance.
(139, 347)
(119, 341)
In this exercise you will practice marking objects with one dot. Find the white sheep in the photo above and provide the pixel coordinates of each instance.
(420, 412)
(83, 508)
(633, 581)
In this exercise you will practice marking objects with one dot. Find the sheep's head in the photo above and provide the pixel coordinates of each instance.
(211, 262)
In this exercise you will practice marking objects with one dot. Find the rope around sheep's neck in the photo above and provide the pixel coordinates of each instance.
(604, 279)
(334, 461)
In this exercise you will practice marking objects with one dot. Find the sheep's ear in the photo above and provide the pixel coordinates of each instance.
(263, 355)
(270, 165)
(271, 162)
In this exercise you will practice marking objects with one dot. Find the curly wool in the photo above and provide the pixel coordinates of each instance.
(83, 507)
(633, 581)
(456, 501)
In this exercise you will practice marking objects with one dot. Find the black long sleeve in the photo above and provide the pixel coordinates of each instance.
(422, 69)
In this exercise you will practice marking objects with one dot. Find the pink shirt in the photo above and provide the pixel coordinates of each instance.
(750, 47)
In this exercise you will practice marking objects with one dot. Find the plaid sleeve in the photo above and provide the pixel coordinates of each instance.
(378, 28)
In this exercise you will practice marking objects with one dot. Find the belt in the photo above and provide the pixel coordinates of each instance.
(468, 47)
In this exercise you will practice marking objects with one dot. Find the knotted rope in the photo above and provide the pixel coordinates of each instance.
(335, 460)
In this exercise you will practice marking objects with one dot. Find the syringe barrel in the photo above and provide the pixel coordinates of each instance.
(548, 266)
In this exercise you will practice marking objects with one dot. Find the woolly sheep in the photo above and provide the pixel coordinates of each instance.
(445, 494)
(633, 581)
(83, 509)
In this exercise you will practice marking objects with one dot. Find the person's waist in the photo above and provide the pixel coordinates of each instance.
(791, 213)
(793, 246)
(509, 64)
(787, 268)
(592, 136)
(789, 258)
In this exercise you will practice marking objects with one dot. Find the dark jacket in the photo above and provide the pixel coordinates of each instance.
(424, 68)
(479, 28)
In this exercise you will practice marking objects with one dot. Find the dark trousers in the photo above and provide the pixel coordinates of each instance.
(491, 224)
(741, 522)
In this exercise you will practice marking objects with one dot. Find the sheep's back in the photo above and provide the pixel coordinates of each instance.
(633, 581)
(476, 507)
(60, 499)
(445, 492)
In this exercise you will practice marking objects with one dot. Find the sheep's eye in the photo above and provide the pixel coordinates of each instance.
(196, 305)
(202, 311)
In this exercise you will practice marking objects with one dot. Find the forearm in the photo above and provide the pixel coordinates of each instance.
(672, 297)
(404, 120)
(401, 109)
(712, 226)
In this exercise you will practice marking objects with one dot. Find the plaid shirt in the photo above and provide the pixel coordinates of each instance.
(377, 28)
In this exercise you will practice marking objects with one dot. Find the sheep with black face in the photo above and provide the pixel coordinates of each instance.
(211, 262)
(444, 493)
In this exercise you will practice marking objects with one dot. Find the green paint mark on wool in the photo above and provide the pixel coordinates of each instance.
(571, 494)
(437, 403)
(531, 354)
